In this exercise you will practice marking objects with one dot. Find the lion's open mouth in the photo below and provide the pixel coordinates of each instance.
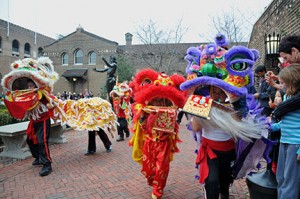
(22, 83)
(160, 102)
(217, 89)
(215, 93)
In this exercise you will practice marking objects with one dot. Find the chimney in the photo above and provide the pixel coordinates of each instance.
(128, 39)
(79, 28)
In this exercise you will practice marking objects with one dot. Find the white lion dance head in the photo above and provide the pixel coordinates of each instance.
(18, 98)
(40, 71)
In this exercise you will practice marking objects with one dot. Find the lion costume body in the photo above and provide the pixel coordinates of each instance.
(234, 122)
(157, 98)
(83, 114)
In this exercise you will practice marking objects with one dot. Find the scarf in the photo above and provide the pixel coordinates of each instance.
(287, 106)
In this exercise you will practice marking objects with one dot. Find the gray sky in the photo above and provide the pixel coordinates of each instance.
(112, 19)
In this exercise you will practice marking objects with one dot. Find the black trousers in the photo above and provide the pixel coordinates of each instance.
(123, 128)
(41, 150)
(92, 140)
(220, 174)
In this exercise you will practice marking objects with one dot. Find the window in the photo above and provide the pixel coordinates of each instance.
(40, 52)
(92, 58)
(64, 59)
(27, 50)
(78, 55)
(15, 47)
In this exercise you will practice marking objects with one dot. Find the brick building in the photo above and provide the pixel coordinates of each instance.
(281, 18)
(17, 42)
(75, 56)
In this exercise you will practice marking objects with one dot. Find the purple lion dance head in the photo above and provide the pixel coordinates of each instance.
(224, 74)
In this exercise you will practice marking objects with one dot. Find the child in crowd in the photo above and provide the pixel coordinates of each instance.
(288, 168)
(275, 98)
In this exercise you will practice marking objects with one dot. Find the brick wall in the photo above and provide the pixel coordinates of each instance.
(23, 36)
(87, 42)
(280, 17)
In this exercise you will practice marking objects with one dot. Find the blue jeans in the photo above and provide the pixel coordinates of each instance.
(288, 172)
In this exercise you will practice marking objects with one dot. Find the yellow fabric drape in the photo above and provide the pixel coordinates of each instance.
(137, 142)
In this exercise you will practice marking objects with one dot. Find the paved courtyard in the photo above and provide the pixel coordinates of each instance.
(102, 175)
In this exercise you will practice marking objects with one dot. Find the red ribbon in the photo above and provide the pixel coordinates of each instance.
(206, 150)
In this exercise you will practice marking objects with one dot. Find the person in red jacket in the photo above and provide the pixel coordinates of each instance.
(121, 103)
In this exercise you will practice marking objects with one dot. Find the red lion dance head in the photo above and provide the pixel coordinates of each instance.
(159, 93)
(157, 89)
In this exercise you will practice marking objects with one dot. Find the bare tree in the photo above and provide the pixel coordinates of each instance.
(159, 50)
(234, 24)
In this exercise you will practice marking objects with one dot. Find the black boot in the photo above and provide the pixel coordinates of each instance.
(120, 139)
(46, 170)
(109, 149)
(36, 162)
(89, 152)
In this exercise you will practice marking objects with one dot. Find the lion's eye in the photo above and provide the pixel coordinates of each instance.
(145, 82)
(170, 83)
(239, 66)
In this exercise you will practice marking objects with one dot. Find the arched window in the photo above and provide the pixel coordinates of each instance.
(15, 47)
(27, 50)
(40, 52)
(78, 56)
(64, 59)
(92, 57)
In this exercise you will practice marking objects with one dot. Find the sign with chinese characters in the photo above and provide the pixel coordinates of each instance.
(198, 105)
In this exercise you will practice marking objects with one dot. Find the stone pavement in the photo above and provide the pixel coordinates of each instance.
(102, 175)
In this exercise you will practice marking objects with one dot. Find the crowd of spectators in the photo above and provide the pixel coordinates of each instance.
(74, 96)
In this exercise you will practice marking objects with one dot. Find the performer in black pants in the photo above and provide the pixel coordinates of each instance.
(92, 141)
(38, 132)
(40, 149)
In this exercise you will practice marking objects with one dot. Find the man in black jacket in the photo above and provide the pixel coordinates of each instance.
(263, 90)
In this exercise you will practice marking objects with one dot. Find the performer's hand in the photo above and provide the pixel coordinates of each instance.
(298, 157)
(143, 115)
(195, 122)
(95, 69)
(103, 58)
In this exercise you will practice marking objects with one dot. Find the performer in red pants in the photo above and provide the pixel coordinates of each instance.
(155, 129)
(158, 146)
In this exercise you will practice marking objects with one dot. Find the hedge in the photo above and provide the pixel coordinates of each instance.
(5, 117)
